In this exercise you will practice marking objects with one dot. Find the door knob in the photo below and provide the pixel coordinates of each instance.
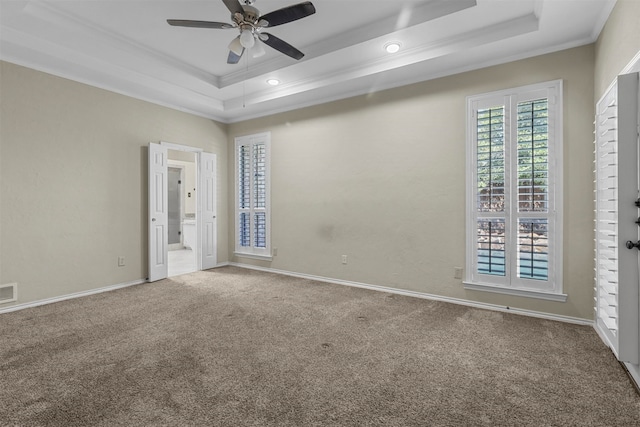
(631, 245)
(153, 219)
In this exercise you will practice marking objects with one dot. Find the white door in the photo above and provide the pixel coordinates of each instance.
(158, 212)
(617, 219)
(629, 202)
(207, 215)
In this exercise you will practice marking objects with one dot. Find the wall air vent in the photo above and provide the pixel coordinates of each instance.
(8, 293)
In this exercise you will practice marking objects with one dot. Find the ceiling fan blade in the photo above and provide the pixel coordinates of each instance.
(233, 58)
(234, 6)
(288, 14)
(198, 24)
(281, 45)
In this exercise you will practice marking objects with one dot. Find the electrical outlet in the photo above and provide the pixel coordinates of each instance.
(120, 261)
(344, 259)
(457, 272)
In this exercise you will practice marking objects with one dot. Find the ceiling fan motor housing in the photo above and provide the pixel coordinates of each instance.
(251, 14)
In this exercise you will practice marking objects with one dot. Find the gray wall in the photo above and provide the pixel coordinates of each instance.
(73, 186)
(381, 178)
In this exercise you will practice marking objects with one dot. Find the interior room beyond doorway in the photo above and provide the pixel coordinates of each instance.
(182, 188)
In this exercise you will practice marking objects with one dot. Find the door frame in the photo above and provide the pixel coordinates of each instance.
(199, 201)
(182, 207)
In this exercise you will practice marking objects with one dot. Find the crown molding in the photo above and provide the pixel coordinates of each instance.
(425, 52)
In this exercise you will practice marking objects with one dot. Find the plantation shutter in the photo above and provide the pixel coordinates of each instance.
(532, 189)
(252, 198)
(616, 189)
(490, 177)
(259, 195)
(513, 147)
(244, 195)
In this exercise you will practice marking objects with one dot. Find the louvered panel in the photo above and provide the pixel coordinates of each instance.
(244, 176)
(244, 229)
(259, 176)
(490, 160)
(533, 156)
(606, 173)
(616, 188)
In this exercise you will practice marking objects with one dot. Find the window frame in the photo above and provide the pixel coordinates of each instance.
(510, 283)
(253, 251)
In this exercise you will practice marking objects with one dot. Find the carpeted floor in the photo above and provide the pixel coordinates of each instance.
(236, 347)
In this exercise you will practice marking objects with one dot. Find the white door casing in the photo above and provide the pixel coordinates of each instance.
(207, 202)
(158, 212)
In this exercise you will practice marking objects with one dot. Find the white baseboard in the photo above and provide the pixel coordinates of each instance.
(80, 294)
(531, 313)
(459, 301)
(69, 296)
(634, 373)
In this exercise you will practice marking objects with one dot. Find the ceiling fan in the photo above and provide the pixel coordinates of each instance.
(250, 23)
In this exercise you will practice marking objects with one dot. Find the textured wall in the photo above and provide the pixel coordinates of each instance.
(74, 181)
(381, 178)
(616, 47)
(619, 41)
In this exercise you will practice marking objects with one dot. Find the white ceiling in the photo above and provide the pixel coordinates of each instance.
(126, 46)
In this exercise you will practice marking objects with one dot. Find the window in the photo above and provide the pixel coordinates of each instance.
(514, 191)
(253, 195)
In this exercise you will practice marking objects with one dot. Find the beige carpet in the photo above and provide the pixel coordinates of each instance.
(235, 347)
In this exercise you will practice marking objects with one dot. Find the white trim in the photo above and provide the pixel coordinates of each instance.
(253, 256)
(604, 338)
(179, 147)
(516, 292)
(632, 67)
(509, 98)
(633, 372)
(459, 301)
(252, 251)
(70, 296)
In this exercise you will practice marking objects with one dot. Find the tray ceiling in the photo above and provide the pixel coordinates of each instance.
(127, 47)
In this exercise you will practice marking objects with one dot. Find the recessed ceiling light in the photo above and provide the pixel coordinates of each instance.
(273, 82)
(392, 47)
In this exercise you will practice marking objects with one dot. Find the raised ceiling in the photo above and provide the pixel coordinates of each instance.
(126, 46)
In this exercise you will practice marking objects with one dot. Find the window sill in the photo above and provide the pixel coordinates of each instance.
(528, 293)
(253, 256)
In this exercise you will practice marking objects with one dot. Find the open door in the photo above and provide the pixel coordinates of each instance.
(207, 215)
(618, 219)
(158, 212)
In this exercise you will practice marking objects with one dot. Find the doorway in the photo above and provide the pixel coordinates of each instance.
(181, 188)
(191, 230)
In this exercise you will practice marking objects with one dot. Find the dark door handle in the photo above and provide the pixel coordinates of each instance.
(631, 245)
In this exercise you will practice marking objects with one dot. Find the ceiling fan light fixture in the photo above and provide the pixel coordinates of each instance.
(246, 39)
(236, 47)
(258, 50)
(392, 47)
